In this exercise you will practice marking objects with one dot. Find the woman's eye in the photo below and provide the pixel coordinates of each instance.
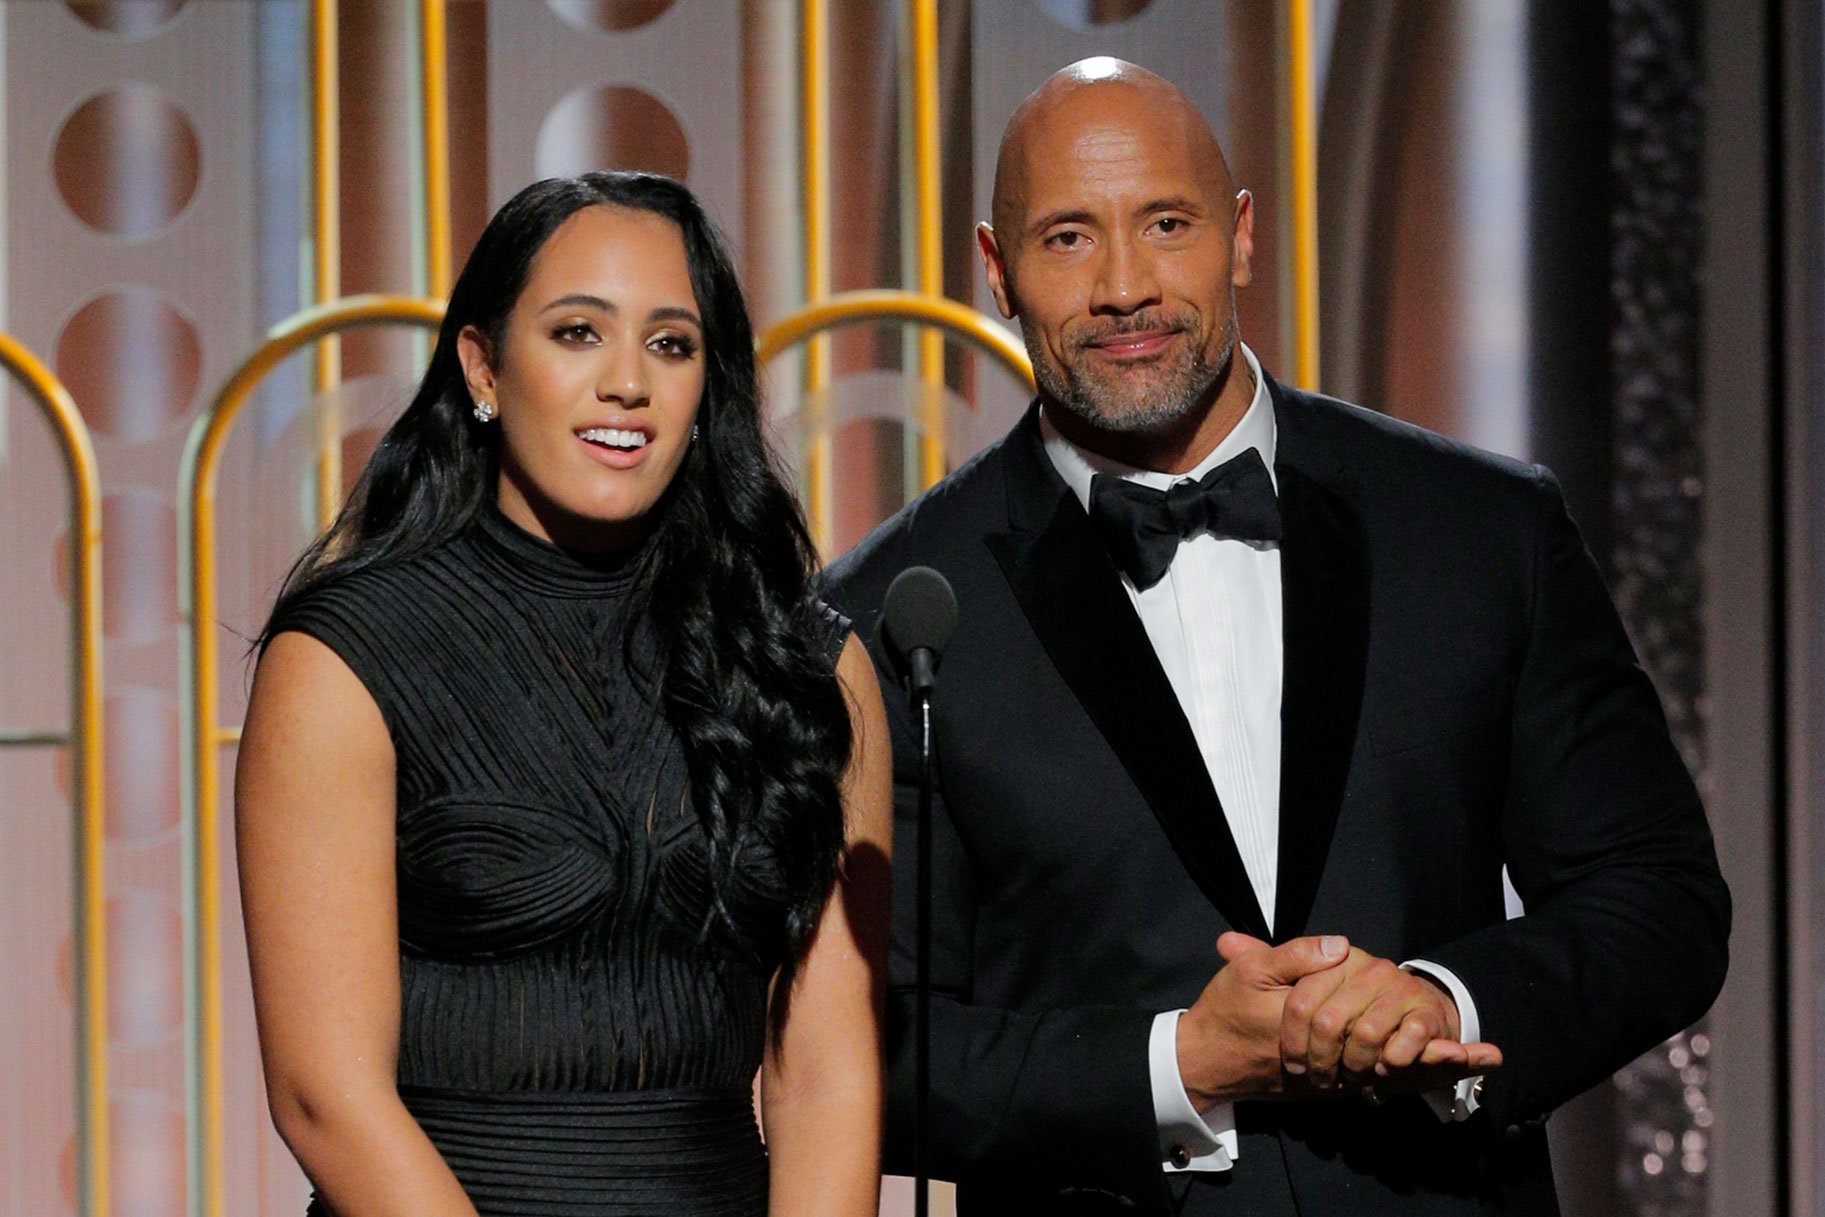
(577, 331)
(676, 346)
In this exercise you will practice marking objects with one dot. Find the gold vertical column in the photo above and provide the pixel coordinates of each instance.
(93, 1192)
(434, 62)
(197, 587)
(814, 18)
(1303, 178)
(326, 220)
(92, 959)
(326, 249)
(930, 216)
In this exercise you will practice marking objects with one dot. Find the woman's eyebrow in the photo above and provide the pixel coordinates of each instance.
(674, 312)
(583, 299)
(671, 312)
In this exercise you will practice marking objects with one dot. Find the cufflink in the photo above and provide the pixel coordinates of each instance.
(1180, 1156)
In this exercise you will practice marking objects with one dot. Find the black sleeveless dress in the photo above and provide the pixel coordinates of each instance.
(572, 1038)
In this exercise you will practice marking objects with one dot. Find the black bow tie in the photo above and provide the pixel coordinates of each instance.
(1142, 527)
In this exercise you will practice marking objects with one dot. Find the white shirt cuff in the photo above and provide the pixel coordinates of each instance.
(1459, 1102)
(1188, 1141)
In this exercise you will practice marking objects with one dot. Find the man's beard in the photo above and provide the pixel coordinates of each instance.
(1168, 395)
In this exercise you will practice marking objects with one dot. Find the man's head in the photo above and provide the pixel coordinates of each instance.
(1118, 239)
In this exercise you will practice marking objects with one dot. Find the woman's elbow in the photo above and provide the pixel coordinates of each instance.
(852, 1084)
(315, 1114)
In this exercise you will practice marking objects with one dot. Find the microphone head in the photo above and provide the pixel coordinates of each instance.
(919, 613)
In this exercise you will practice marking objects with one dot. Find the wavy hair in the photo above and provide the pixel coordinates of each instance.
(723, 581)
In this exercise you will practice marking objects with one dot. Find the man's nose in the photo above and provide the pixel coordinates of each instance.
(623, 376)
(1125, 279)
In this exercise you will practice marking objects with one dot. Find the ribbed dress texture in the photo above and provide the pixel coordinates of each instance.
(572, 1039)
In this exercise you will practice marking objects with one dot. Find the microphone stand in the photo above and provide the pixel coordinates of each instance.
(922, 947)
(918, 616)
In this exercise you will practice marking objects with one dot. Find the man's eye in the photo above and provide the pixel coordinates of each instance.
(1065, 240)
(1171, 224)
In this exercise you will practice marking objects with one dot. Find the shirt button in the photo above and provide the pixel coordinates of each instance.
(1181, 1157)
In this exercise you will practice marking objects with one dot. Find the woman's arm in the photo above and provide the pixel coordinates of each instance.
(314, 838)
(821, 1083)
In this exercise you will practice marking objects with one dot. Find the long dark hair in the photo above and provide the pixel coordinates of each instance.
(723, 580)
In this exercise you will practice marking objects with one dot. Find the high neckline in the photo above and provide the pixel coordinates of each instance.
(539, 566)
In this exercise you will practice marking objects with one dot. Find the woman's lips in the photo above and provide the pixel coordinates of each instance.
(608, 445)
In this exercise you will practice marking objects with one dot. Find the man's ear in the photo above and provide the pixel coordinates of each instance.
(995, 268)
(1243, 242)
(473, 352)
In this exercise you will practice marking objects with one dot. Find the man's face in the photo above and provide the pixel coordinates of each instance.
(1121, 256)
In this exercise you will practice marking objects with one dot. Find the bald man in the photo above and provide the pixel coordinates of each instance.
(1255, 695)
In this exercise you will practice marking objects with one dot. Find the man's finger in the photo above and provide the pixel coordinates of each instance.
(1405, 1045)
(1291, 962)
(1424, 1079)
(1443, 1063)
(1443, 1052)
(1308, 996)
(1483, 1057)
(1473, 1058)
(1332, 1023)
(1387, 1014)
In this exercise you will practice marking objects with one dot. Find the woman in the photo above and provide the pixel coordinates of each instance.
(552, 764)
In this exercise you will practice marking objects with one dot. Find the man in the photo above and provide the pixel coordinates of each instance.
(1240, 666)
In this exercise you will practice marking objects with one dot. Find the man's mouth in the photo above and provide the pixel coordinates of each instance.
(1130, 345)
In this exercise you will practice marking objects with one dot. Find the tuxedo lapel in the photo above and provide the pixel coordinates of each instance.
(1324, 573)
(1072, 595)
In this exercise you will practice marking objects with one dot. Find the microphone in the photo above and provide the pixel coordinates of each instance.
(917, 620)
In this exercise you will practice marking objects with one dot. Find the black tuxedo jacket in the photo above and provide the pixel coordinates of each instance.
(1459, 695)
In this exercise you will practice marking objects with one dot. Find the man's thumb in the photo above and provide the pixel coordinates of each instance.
(1233, 944)
(1291, 962)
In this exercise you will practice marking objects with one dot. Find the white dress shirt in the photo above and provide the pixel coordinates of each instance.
(1215, 623)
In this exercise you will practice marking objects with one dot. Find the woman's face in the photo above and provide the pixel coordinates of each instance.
(597, 380)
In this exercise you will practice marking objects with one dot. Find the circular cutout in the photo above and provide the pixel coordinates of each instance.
(1089, 14)
(874, 418)
(608, 16)
(142, 743)
(126, 18)
(127, 161)
(874, 448)
(66, 1172)
(132, 362)
(145, 969)
(357, 449)
(611, 127)
(138, 566)
(66, 968)
(147, 1131)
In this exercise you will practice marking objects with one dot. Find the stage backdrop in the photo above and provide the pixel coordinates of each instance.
(170, 196)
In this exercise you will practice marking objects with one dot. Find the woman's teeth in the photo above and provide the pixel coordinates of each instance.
(610, 437)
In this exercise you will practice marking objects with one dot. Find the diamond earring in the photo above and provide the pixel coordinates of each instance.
(484, 411)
